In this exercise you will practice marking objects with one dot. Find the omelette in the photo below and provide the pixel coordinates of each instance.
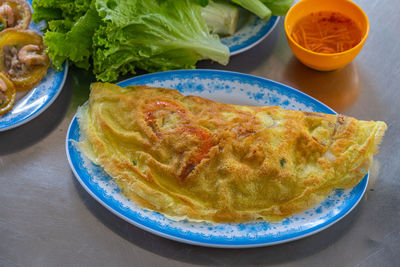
(191, 158)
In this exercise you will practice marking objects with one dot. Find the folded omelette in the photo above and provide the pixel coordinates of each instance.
(191, 158)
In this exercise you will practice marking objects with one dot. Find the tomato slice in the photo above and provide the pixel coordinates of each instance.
(24, 74)
(157, 109)
(7, 94)
(15, 14)
(206, 143)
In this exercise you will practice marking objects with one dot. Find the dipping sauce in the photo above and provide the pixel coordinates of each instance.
(327, 32)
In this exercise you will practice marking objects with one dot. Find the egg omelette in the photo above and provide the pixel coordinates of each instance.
(191, 158)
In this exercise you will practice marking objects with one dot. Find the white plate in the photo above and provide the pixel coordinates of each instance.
(36, 100)
(228, 87)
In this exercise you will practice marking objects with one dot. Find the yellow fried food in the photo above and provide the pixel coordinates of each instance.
(189, 157)
(14, 14)
(22, 57)
(7, 94)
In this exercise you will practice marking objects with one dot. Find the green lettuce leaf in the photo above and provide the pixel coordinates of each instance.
(57, 9)
(75, 43)
(203, 3)
(44, 13)
(255, 7)
(152, 35)
(118, 36)
(278, 7)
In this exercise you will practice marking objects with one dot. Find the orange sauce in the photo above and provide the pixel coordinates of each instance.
(327, 32)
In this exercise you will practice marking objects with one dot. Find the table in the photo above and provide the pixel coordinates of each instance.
(48, 219)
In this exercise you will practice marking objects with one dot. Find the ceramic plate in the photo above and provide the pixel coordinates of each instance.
(251, 31)
(228, 87)
(38, 99)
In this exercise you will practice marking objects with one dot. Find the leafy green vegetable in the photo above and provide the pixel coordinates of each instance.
(256, 7)
(57, 9)
(203, 3)
(44, 13)
(265, 8)
(122, 35)
(221, 17)
(278, 7)
(75, 44)
(151, 35)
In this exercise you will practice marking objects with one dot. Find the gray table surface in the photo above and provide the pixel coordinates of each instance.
(48, 219)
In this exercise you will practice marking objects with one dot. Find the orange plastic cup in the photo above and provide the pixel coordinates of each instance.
(320, 61)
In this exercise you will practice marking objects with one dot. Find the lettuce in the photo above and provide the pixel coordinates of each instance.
(256, 7)
(153, 36)
(75, 43)
(119, 36)
(57, 9)
(278, 7)
(221, 17)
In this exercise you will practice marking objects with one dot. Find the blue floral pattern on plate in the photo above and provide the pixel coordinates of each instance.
(226, 87)
(250, 34)
(38, 99)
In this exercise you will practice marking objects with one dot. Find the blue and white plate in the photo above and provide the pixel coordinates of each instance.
(251, 31)
(36, 100)
(228, 87)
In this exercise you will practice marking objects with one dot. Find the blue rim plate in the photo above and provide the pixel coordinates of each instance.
(38, 99)
(250, 33)
(228, 87)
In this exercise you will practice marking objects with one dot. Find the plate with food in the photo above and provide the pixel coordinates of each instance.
(266, 165)
(126, 36)
(27, 85)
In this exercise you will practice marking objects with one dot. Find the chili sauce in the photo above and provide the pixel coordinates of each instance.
(327, 32)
